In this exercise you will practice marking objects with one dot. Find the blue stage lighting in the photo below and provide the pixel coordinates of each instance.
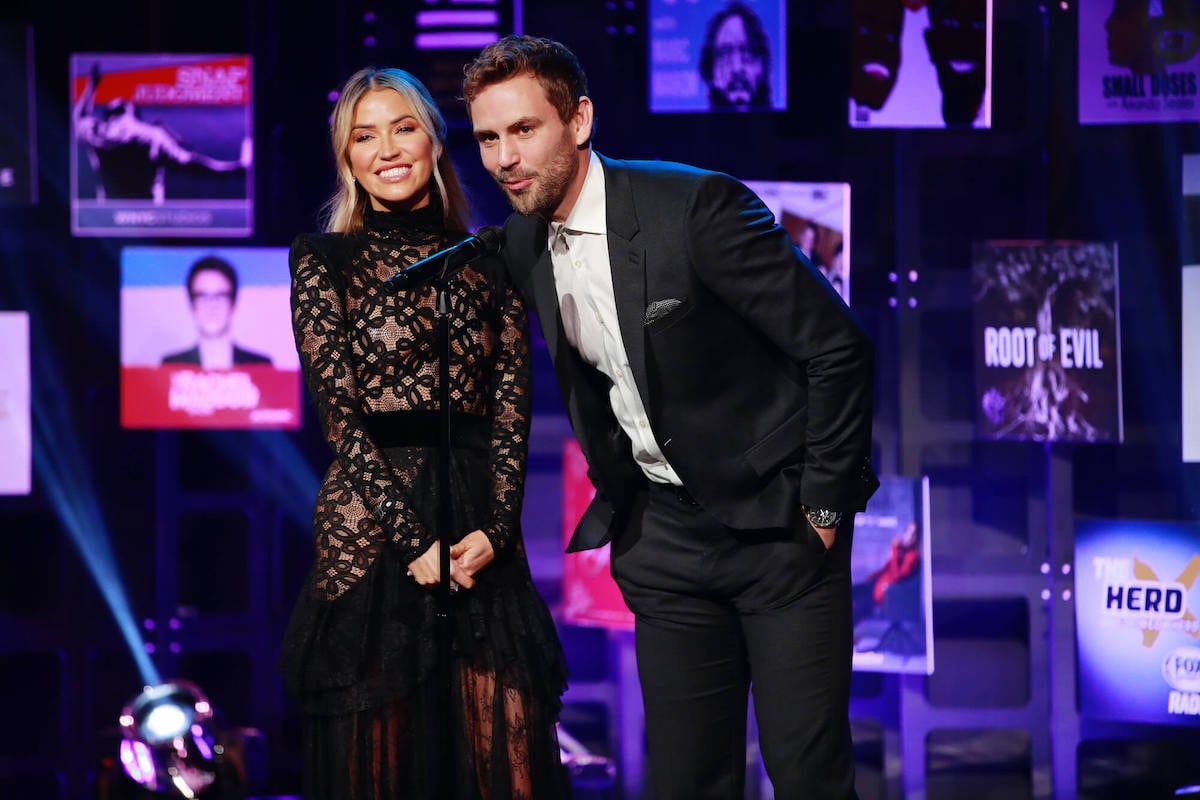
(294, 484)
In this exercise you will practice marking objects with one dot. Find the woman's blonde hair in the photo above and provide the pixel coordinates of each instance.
(344, 210)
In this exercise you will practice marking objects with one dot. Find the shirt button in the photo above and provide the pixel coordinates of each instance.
(642, 424)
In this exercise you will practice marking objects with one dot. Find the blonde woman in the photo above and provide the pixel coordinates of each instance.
(361, 650)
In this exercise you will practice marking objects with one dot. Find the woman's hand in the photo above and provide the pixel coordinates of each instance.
(472, 553)
(425, 569)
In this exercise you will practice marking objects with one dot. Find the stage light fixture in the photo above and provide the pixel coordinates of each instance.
(168, 745)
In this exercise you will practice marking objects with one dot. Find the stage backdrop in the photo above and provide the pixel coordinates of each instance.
(1136, 598)
(1138, 61)
(918, 64)
(716, 55)
(164, 383)
(1047, 341)
(16, 438)
(817, 217)
(162, 145)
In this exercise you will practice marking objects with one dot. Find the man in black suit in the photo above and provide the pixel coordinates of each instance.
(212, 287)
(721, 392)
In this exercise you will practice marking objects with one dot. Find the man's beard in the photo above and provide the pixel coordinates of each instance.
(739, 91)
(549, 185)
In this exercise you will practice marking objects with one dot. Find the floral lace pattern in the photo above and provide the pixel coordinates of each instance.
(366, 347)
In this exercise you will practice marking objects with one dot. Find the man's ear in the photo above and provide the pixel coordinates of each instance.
(582, 121)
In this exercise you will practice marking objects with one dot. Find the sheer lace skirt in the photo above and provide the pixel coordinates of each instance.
(505, 748)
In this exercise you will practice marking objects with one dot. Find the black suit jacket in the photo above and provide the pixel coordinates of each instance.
(240, 357)
(756, 377)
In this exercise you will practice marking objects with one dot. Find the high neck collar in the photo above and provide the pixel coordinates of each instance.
(426, 218)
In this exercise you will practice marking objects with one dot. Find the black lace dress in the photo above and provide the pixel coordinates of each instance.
(360, 652)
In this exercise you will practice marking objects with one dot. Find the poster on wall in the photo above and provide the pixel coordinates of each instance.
(718, 55)
(817, 217)
(16, 432)
(921, 64)
(1047, 341)
(1136, 604)
(1190, 247)
(18, 134)
(590, 595)
(206, 339)
(1191, 363)
(1138, 61)
(890, 572)
(162, 145)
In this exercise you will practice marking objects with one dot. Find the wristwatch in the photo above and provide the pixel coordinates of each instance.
(822, 517)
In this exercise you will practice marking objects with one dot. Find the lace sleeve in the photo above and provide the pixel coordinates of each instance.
(512, 399)
(318, 322)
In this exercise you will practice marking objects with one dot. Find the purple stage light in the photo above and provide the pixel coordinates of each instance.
(455, 40)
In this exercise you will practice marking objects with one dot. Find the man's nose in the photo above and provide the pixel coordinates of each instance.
(507, 154)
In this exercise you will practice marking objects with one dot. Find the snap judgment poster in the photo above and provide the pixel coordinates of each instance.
(162, 145)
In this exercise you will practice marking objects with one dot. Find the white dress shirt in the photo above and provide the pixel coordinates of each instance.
(583, 277)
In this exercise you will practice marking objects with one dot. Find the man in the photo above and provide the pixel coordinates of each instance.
(735, 61)
(212, 287)
(716, 384)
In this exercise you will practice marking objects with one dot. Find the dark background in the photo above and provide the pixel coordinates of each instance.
(210, 530)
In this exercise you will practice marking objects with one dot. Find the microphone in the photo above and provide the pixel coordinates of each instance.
(445, 263)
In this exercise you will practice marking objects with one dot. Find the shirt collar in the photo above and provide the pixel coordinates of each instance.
(588, 215)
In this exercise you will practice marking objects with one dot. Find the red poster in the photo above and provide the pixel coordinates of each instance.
(590, 596)
(176, 396)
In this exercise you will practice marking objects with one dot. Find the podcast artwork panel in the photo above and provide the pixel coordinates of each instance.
(917, 64)
(717, 56)
(206, 339)
(1047, 341)
(16, 431)
(1136, 598)
(817, 218)
(1138, 62)
(1190, 302)
(162, 145)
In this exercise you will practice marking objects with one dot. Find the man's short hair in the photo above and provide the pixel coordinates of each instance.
(213, 264)
(553, 65)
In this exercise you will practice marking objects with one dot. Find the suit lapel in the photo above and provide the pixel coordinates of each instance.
(628, 264)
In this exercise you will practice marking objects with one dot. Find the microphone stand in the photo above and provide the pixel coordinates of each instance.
(439, 269)
(445, 609)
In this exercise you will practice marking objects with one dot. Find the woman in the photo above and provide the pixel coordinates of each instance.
(361, 649)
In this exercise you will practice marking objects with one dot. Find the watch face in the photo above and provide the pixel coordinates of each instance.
(823, 517)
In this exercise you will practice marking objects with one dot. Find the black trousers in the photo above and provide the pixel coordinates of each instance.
(720, 612)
